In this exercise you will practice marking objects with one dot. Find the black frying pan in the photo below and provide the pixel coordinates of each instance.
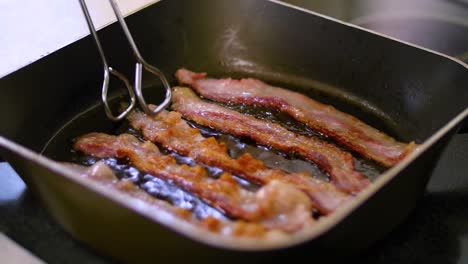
(410, 93)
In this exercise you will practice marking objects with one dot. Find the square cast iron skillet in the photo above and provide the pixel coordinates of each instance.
(409, 92)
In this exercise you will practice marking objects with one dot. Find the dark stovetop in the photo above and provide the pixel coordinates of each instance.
(435, 232)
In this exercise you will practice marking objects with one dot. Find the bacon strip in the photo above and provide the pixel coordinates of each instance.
(223, 193)
(346, 129)
(338, 164)
(171, 131)
(101, 173)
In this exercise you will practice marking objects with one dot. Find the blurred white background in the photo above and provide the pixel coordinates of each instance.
(31, 29)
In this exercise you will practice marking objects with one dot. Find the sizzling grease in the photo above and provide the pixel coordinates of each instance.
(167, 191)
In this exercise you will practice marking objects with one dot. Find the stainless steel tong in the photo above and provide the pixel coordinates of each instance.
(135, 91)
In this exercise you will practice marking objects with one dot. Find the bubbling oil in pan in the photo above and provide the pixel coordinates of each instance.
(290, 162)
(169, 192)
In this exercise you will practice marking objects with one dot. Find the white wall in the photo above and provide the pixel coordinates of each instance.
(30, 29)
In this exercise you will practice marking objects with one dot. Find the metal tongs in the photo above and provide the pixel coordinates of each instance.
(134, 92)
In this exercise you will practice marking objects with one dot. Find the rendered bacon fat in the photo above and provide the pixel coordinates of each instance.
(337, 163)
(276, 205)
(346, 129)
(101, 173)
(171, 131)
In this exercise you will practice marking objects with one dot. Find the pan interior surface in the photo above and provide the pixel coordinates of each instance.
(93, 119)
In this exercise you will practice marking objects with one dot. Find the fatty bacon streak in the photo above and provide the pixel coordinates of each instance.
(338, 163)
(172, 132)
(275, 206)
(344, 128)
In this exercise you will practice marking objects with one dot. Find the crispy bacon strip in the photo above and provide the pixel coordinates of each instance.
(224, 193)
(171, 131)
(346, 129)
(337, 163)
(101, 173)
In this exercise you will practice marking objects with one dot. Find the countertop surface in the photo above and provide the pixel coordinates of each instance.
(435, 232)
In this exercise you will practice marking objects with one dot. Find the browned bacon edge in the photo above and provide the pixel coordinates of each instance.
(338, 164)
(101, 173)
(172, 132)
(223, 193)
(346, 129)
